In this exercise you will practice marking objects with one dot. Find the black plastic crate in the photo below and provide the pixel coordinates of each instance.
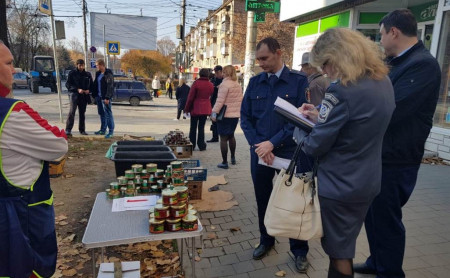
(151, 143)
(124, 160)
(142, 148)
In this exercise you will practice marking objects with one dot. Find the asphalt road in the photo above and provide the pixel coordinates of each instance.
(154, 118)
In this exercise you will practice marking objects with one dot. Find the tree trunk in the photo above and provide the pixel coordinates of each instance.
(3, 23)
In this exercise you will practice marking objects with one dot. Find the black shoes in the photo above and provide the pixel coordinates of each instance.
(261, 251)
(223, 165)
(301, 264)
(233, 160)
(363, 268)
(83, 133)
(213, 140)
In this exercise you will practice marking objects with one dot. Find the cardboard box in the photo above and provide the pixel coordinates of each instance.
(182, 151)
(195, 189)
(56, 167)
(128, 269)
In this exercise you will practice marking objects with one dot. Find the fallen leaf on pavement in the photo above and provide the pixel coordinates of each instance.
(158, 254)
(69, 272)
(57, 204)
(212, 236)
(235, 229)
(175, 259)
(281, 273)
(87, 196)
(60, 217)
(163, 262)
(63, 223)
(197, 258)
(81, 149)
(82, 221)
(213, 227)
(69, 238)
(68, 176)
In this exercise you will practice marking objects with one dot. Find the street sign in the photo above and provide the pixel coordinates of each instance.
(262, 6)
(113, 47)
(93, 66)
(44, 7)
(93, 49)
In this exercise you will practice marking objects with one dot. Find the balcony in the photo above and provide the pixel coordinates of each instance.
(224, 48)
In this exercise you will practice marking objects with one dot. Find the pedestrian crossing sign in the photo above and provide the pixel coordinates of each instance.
(113, 48)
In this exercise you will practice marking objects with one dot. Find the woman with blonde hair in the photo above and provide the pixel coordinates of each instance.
(230, 94)
(347, 138)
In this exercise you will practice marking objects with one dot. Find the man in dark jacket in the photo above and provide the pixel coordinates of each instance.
(103, 91)
(78, 84)
(181, 95)
(415, 76)
(216, 80)
(269, 135)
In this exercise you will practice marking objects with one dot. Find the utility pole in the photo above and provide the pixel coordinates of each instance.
(183, 27)
(58, 77)
(3, 23)
(85, 33)
(250, 48)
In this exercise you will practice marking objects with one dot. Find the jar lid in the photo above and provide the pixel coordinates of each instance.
(173, 221)
(121, 178)
(181, 188)
(190, 218)
(128, 171)
(169, 192)
(192, 211)
(114, 183)
(159, 201)
(136, 166)
(156, 221)
(161, 207)
(190, 207)
(178, 206)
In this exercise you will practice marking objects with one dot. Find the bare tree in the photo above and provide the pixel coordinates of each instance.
(29, 32)
(166, 46)
(75, 45)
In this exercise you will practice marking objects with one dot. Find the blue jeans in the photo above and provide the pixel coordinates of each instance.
(106, 116)
(384, 226)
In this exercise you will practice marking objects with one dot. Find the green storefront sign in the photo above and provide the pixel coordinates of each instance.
(425, 12)
(261, 7)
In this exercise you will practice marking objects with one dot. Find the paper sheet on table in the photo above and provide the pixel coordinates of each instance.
(292, 110)
(278, 163)
(134, 203)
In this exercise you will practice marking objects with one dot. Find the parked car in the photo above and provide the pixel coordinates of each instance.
(20, 80)
(132, 91)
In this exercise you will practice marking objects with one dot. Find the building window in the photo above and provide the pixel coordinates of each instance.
(442, 115)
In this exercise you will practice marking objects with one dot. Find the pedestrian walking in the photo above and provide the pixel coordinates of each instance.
(199, 105)
(27, 217)
(416, 76)
(318, 83)
(156, 85)
(229, 94)
(169, 87)
(103, 91)
(348, 135)
(269, 135)
(181, 95)
(216, 80)
(78, 84)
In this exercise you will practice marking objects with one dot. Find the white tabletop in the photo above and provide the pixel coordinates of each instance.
(107, 228)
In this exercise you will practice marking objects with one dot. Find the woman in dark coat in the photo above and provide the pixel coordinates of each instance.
(199, 106)
(181, 95)
(347, 138)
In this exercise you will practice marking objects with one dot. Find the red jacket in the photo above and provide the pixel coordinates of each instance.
(198, 103)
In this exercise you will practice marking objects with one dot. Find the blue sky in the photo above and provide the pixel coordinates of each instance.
(168, 13)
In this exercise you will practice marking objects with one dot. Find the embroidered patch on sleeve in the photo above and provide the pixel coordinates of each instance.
(331, 98)
(325, 110)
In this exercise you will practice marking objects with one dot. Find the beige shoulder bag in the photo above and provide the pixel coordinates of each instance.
(293, 210)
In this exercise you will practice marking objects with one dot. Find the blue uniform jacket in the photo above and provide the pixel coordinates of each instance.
(348, 138)
(258, 119)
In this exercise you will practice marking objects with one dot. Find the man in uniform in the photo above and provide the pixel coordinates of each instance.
(27, 219)
(216, 80)
(78, 84)
(318, 83)
(269, 135)
(416, 77)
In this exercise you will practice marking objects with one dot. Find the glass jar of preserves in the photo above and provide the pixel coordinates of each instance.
(161, 211)
(190, 223)
(173, 225)
(182, 192)
(136, 168)
(156, 226)
(178, 211)
(169, 197)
